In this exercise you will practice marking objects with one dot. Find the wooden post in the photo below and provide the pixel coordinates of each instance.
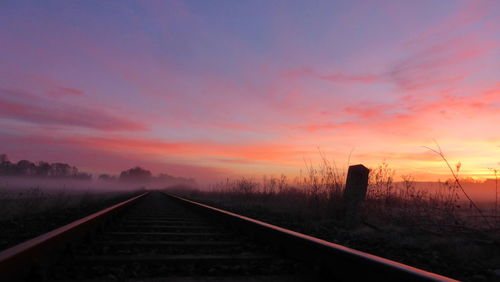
(355, 193)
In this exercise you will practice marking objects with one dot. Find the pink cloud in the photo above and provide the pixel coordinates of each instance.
(100, 161)
(367, 110)
(338, 77)
(438, 64)
(65, 91)
(471, 13)
(353, 78)
(23, 106)
(315, 127)
(440, 116)
(410, 119)
(257, 152)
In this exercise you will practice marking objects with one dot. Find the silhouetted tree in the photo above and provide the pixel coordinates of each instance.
(43, 169)
(106, 177)
(60, 170)
(5, 165)
(25, 168)
(3, 158)
(136, 174)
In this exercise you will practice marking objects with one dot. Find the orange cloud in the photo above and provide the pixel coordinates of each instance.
(249, 152)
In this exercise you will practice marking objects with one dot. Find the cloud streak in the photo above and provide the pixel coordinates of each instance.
(27, 107)
(436, 65)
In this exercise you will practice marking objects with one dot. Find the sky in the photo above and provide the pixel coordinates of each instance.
(216, 89)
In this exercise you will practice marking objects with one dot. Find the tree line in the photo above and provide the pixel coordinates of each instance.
(138, 174)
(42, 169)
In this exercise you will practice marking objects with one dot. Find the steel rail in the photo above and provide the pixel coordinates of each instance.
(27, 260)
(334, 259)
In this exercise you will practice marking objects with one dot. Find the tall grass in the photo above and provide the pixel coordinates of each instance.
(457, 183)
(495, 172)
(21, 202)
(317, 193)
(435, 226)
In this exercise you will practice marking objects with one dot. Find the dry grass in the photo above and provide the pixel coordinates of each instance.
(438, 228)
(18, 203)
(28, 211)
(318, 194)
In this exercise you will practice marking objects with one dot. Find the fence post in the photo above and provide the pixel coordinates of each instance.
(355, 193)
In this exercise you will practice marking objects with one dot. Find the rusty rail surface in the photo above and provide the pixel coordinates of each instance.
(27, 260)
(335, 260)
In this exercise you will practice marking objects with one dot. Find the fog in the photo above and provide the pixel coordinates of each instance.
(50, 185)
(483, 192)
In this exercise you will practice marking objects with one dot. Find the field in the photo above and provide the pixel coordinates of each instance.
(28, 210)
(433, 227)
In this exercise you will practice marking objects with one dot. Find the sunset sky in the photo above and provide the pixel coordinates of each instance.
(215, 89)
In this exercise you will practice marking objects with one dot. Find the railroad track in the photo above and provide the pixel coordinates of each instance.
(156, 237)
